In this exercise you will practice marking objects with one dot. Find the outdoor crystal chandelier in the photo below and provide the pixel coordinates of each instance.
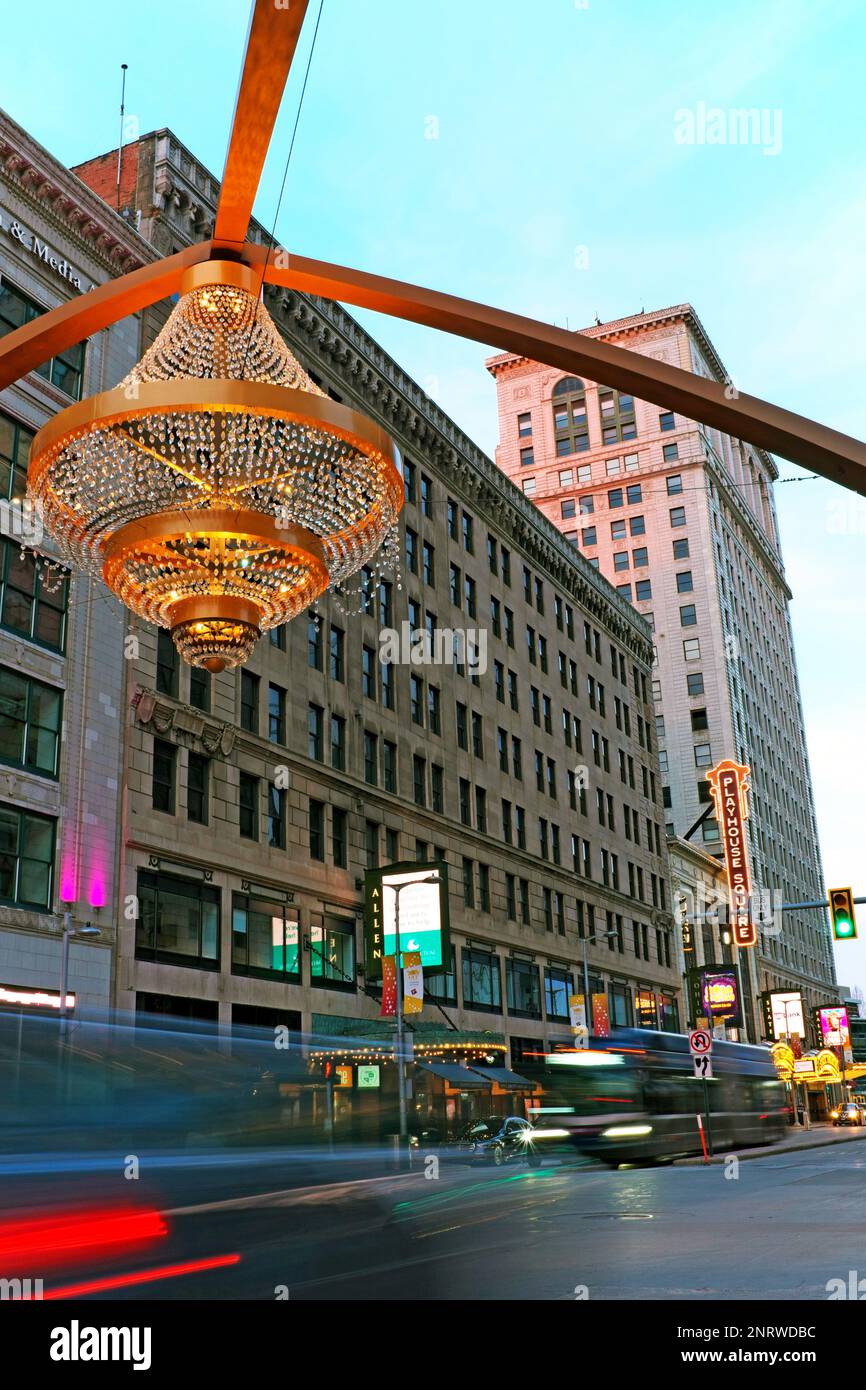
(217, 490)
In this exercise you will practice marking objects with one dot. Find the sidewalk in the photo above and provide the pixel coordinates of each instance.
(815, 1138)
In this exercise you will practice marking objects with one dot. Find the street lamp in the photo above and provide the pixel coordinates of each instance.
(397, 889)
(70, 930)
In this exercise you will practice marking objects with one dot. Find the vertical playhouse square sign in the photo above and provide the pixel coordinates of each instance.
(729, 784)
(424, 923)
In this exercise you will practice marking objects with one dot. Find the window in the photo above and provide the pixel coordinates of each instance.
(276, 714)
(643, 590)
(703, 755)
(588, 535)
(492, 555)
(558, 985)
(339, 839)
(695, 683)
(314, 644)
(566, 477)
(34, 597)
(437, 775)
(30, 720)
(26, 858)
(199, 687)
(371, 758)
(419, 780)
(248, 806)
(265, 938)
(692, 649)
(678, 516)
(616, 410)
(66, 370)
(452, 519)
(567, 509)
(332, 952)
(416, 699)
(681, 550)
(527, 458)
(276, 817)
(411, 551)
(386, 677)
(249, 702)
(178, 921)
(482, 983)
(465, 803)
(620, 560)
(426, 494)
(197, 778)
(625, 590)
(614, 498)
(529, 487)
(468, 883)
(167, 664)
(434, 721)
(389, 765)
(368, 672)
(338, 742)
(666, 420)
(15, 443)
(571, 431)
(428, 563)
(633, 493)
(522, 988)
(699, 721)
(336, 650)
(409, 474)
(688, 615)
(640, 557)
(675, 481)
(315, 732)
(685, 584)
(317, 831)
(443, 988)
(524, 425)
(164, 763)
(277, 637)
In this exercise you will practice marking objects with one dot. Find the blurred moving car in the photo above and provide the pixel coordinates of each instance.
(847, 1114)
(498, 1139)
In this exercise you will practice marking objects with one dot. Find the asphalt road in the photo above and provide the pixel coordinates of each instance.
(775, 1228)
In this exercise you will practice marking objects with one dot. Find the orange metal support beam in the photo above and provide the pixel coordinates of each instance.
(270, 49)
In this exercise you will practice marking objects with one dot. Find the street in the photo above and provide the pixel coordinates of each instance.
(780, 1229)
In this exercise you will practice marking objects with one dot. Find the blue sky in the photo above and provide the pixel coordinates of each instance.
(555, 128)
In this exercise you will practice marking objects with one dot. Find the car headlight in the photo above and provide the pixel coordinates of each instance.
(551, 1134)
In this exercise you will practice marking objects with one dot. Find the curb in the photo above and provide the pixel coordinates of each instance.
(816, 1143)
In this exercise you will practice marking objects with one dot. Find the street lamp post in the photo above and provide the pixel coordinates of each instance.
(586, 1001)
(397, 889)
(70, 930)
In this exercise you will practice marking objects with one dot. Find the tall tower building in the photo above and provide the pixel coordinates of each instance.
(682, 520)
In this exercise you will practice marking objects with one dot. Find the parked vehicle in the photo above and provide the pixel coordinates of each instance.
(847, 1114)
(499, 1139)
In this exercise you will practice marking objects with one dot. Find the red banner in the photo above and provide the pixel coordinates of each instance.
(600, 1016)
(389, 987)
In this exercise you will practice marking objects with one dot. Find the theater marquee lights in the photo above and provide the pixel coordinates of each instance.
(729, 785)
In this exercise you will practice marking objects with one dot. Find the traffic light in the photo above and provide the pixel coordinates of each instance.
(842, 919)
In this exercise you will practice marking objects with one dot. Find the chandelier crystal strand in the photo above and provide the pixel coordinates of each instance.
(214, 504)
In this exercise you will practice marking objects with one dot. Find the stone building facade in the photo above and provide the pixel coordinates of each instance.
(255, 800)
(61, 654)
(681, 519)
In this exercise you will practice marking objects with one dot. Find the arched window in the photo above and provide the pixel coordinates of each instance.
(617, 416)
(569, 417)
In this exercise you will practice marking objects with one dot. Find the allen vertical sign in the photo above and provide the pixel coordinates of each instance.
(729, 784)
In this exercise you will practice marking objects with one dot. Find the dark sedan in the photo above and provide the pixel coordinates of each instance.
(498, 1139)
(848, 1114)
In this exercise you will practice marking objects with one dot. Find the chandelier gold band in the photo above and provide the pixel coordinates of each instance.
(214, 608)
(197, 394)
(243, 277)
(242, 524)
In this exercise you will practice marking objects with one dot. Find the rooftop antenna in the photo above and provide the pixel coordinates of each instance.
(123, 68)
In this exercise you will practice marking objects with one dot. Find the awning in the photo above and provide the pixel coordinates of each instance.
(503, 1077)
(460, 1077)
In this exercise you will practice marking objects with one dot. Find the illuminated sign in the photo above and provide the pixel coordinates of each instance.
(786, 1015)
(368, 1078)
(18, 996)
(719, 994)
(645, 1008)
(729, 785)
(424, 926)
(805, 1066)
(834, 1027)
(344, 1076)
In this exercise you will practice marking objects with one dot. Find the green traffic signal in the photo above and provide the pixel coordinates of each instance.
(842, 918)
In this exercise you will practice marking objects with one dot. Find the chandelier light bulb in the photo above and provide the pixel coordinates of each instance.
(217, 490)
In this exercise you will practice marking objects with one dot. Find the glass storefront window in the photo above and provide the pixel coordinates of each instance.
(265, 937)
(443, 987)
(332, 952)
(558, 985)
(619, 1001)
(482, 982)
(522, 988)
(178, 921)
